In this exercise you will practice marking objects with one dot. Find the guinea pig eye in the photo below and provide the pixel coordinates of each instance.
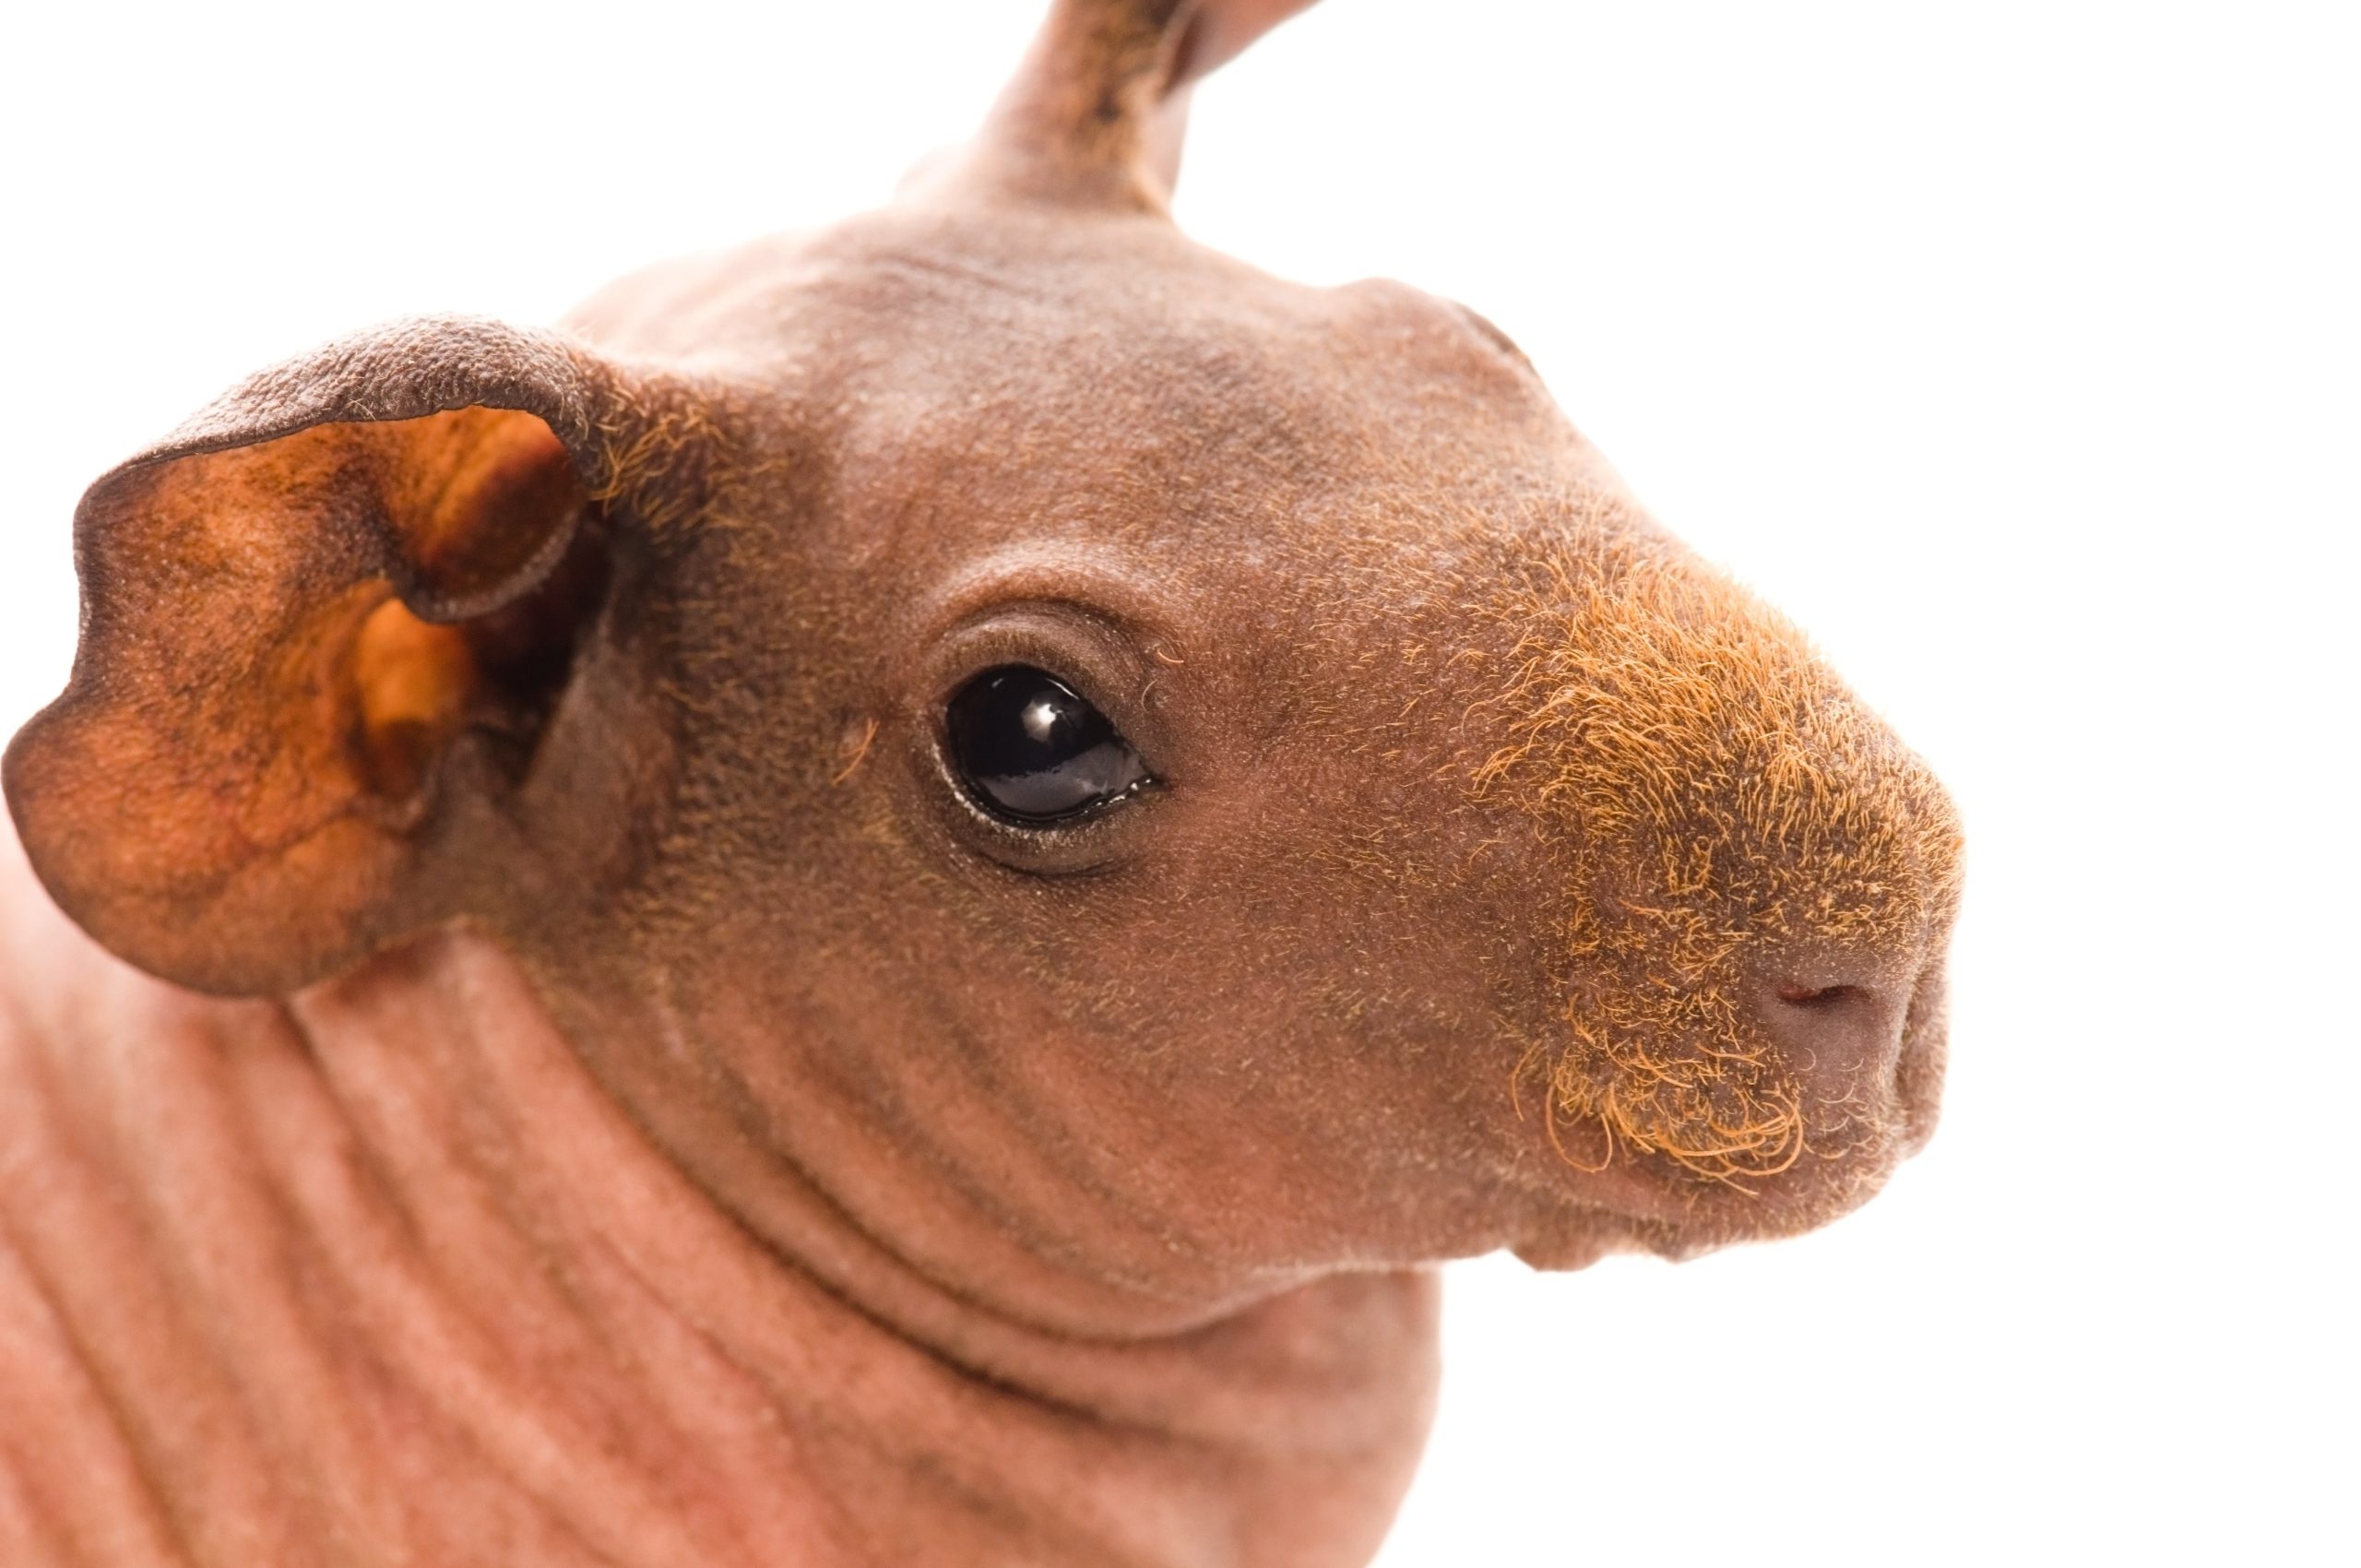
(1029, 749)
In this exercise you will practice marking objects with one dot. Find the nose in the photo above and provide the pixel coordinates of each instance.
(1837, 1025)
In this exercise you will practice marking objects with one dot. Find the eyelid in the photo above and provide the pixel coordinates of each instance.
(1047, 575)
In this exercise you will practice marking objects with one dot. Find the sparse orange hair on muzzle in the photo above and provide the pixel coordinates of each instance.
(1721, 803)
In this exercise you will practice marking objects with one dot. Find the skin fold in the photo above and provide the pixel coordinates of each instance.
(522, 1045)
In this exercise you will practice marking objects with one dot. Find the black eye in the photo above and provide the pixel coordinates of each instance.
(1029, 749)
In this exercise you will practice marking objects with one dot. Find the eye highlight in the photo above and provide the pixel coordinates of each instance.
(1031, 750)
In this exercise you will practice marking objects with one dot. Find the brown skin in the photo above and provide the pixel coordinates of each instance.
(696, 1130)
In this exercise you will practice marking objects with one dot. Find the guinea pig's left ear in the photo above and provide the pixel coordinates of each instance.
(1096, 114)
(321, 624)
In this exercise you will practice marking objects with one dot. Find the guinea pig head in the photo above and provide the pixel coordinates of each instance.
(1153, 780)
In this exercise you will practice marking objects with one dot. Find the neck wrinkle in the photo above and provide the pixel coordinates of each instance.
(1114, 1451)
(387, 1274)
(1235, 1373)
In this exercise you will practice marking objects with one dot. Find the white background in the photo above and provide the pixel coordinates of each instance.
(2011, 347)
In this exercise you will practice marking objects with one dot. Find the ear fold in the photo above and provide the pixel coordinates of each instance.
(320, 623)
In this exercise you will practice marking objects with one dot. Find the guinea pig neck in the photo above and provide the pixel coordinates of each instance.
(383, 1273)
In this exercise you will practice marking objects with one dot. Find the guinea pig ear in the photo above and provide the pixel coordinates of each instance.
(1096, 113)
(321, 624)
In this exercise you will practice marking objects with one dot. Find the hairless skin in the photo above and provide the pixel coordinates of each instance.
(881, 902)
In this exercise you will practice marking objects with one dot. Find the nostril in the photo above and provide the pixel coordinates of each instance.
(1819, 995)
(1834, 1031)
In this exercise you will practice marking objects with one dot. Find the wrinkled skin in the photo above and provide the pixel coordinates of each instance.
(698, 1124)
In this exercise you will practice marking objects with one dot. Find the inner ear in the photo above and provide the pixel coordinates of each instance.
(499, 562)
(418, 684)
(481, 503)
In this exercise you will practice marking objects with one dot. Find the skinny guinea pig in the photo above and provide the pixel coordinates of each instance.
(881, 903)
